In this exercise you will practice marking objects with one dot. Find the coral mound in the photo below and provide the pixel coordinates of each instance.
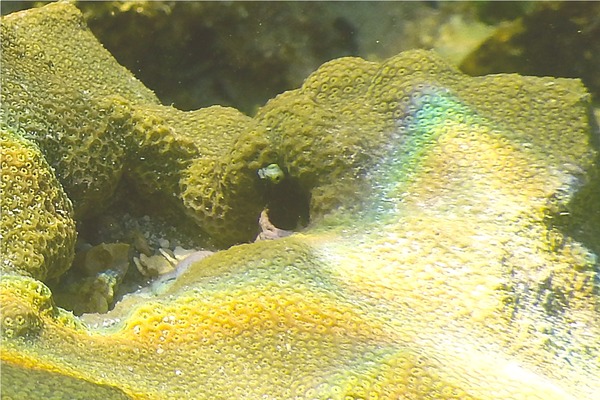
(432, 264)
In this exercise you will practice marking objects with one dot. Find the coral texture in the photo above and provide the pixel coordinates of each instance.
(37, 230)
(430, 269)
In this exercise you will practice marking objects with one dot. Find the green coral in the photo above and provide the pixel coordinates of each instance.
(46, 88)
(126, 134)
(37, 230)
(27, 305)
(429, 268)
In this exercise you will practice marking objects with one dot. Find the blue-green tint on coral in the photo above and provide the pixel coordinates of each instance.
(420, 127)
(420, 124)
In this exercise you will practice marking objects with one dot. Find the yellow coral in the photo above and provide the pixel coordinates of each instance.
(429, 269)
(37, 230)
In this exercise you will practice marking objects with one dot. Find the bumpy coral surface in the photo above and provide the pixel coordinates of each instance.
(37, 230)
(431, 267)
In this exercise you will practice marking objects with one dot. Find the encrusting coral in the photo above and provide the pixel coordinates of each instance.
(430, 268)
(37, 228)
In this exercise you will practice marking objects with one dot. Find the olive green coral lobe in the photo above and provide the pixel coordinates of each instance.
(37, 230)
(95, 122)
(60, 99)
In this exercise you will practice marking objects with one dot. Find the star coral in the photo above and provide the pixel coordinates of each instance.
(37, 227)
(429, 268)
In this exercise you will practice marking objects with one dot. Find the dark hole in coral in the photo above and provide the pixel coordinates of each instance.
(288, 204)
